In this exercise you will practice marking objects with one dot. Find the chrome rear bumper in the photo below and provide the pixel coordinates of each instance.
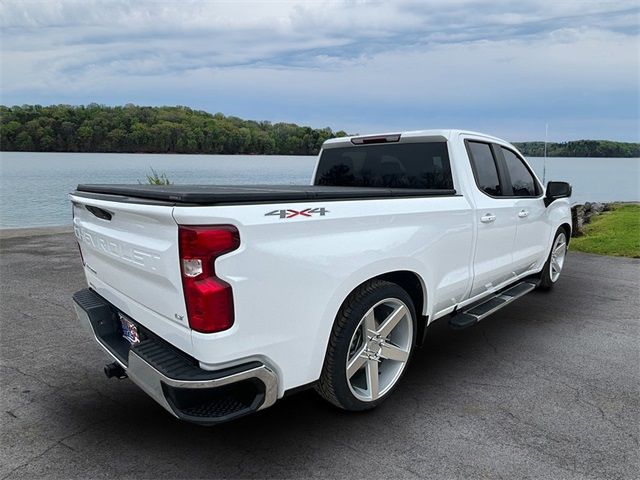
(174, 379)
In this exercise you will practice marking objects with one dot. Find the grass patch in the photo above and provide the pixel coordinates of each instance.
(155, 178)
(616, 232)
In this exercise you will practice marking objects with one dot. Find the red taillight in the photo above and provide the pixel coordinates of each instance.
(209, 300)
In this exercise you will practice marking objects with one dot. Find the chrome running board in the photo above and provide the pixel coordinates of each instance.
(473, 315)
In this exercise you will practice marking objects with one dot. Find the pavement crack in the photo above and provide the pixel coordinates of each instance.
(369, 457)
(492, 385)
(29, 375)
(488, 342)
(579, 398)
(52, 446)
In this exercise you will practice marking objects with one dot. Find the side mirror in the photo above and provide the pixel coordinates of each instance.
(556, 190)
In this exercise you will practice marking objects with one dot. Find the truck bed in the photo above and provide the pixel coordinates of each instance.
(244, 194)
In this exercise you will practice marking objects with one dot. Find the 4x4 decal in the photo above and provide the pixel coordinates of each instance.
(290, 213)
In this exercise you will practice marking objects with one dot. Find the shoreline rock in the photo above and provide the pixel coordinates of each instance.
(582, 214)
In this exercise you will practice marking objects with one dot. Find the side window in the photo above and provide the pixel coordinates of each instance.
(523, 183)
(484, 168)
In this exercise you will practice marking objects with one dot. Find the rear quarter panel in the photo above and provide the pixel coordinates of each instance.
(290, 276)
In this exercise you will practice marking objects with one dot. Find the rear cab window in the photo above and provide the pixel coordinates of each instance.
(423, 165)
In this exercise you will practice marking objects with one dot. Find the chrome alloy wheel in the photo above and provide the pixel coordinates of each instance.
(379, 349)
(558, 255)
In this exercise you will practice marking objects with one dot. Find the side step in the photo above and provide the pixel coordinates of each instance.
(476, 313)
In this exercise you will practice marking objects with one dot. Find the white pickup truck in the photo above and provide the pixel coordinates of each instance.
(218, 300)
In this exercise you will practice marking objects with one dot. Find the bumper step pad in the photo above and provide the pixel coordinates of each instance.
(172, 377)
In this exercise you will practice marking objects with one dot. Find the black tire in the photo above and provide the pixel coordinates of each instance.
(333, 384)
(546, 278)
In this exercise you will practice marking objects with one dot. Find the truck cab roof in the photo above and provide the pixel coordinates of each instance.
(408, 136)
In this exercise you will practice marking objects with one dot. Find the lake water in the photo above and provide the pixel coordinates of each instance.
(34, 186)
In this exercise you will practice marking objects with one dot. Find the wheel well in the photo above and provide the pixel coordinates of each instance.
(567, 230)
(411, 283)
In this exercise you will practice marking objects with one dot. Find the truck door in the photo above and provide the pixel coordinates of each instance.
(494, 216)
(532, 230)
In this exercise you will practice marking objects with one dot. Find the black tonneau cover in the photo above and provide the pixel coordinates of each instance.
(234, 194)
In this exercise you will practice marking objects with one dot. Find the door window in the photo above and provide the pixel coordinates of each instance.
(523, 183)
(484, 167)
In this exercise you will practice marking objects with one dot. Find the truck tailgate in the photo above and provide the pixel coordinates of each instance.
(130, 252)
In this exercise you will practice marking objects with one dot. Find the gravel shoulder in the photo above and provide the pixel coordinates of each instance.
(549, 387)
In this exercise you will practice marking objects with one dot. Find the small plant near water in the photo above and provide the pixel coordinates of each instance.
(155, 178)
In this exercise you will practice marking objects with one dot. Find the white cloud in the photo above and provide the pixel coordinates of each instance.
(429, 57)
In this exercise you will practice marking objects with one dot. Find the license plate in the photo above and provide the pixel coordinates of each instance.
(129, 330)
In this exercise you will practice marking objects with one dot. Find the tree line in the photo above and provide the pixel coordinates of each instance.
(136, 129)
(580, 148)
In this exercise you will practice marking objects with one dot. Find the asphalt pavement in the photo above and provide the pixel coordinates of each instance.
(549, 387)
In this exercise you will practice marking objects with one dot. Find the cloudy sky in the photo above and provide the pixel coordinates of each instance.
(503, 67)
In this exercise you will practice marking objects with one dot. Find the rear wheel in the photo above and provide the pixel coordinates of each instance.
(555, 263)
(370, 346)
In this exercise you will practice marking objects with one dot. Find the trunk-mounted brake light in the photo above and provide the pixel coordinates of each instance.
(376, 139)
(209, 299)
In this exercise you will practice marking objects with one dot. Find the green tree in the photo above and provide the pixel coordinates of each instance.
(84, 136)
(24, 142)
(131, 128)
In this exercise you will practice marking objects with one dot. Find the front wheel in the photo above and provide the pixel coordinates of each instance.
(370, 346)
(553, 267)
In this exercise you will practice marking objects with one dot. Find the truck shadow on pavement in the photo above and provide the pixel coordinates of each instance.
(472, 403)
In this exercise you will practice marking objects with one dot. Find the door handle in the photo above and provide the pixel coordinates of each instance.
(487, 218)
(523, 214)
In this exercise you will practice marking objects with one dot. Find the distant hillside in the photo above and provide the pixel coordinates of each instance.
(580, 148)
(134, 129)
